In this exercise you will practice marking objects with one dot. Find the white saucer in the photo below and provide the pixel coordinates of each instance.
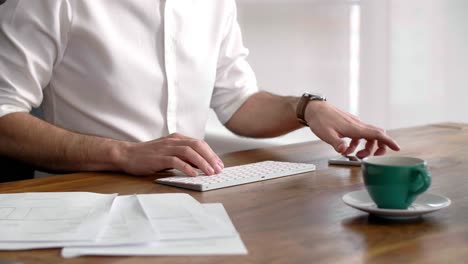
(425, 203)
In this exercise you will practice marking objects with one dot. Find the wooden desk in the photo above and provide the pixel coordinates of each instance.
(302, 219)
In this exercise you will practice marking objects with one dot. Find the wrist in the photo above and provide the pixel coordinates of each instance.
(118, 154)
(292, 102)
(313, 110)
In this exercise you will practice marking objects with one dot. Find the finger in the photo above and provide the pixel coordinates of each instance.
(382, 137)
(367, 150)
(177, 136)
(380, 150)
(219, 161)
(178, 164)
(190, 156)
(332, 138)
(352, 147)
(205, 149)
(206, 153)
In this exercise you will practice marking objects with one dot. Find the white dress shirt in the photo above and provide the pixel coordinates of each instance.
(128, 69)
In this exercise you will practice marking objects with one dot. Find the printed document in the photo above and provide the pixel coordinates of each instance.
(106, 224)
(126, 225)
(54, 216)
(180, 216)
(209, 246)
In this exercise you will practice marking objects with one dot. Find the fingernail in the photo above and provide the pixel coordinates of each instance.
(218, 169)
(221, 164)
(341, 147)
(194, 173)
(210, 170)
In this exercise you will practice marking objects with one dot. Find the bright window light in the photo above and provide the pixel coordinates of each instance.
(355, 26)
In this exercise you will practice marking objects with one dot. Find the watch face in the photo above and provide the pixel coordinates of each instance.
(317, 97)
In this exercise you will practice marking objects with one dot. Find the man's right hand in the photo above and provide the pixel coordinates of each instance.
(175, 151)
(29, 139)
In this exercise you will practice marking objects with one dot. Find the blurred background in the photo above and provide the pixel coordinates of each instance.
(393, 63)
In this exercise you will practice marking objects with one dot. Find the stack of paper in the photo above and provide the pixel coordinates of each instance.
(99, 224)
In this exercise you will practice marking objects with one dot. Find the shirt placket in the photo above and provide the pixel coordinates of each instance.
(170, 64)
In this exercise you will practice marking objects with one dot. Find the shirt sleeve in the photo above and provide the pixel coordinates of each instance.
(33, 36)
(235, 79)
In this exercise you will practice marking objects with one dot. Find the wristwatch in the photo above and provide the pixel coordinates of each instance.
(301, 106)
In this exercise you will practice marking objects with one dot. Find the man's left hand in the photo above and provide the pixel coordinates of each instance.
(331, 125)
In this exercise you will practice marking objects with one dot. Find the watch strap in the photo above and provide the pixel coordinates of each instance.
(302, 105)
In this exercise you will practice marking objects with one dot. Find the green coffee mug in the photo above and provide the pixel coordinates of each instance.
(394, 182)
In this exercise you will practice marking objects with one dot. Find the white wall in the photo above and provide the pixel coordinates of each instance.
(456, 59)
(417, 76)
(414, 62)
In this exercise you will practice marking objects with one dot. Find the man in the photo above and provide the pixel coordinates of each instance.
(127, 86)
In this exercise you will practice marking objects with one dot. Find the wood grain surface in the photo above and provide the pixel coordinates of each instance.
(302, 219)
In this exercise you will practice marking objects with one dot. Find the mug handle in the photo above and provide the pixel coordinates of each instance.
(426, 181)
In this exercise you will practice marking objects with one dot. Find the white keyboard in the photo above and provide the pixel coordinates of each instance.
(237, 175)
